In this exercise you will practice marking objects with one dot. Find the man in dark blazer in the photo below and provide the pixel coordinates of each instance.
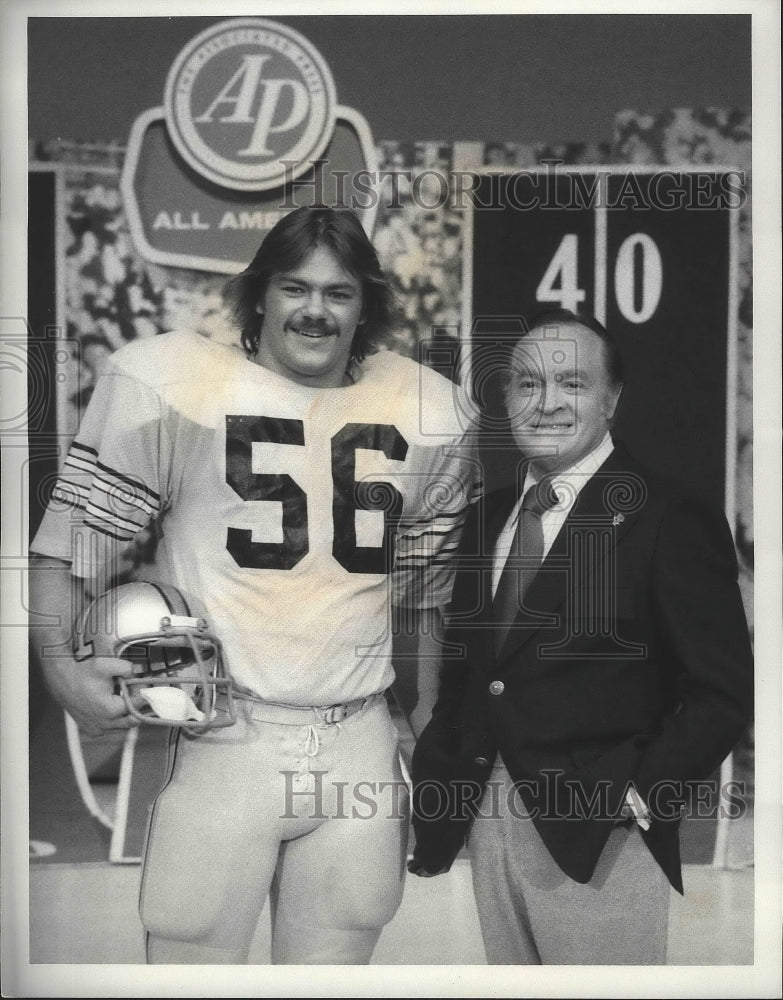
(567, 728)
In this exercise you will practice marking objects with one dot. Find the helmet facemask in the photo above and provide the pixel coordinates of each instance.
(177, 671)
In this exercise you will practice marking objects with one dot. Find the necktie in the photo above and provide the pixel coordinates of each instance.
(524, 558)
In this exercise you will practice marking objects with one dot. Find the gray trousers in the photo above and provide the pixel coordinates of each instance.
(532, 913)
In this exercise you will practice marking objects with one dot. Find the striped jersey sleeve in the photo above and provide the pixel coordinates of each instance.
(426, 544)
(113, 480)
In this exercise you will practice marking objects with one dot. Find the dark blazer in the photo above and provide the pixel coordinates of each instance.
(630, 663)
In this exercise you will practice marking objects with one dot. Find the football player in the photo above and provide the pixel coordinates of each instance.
(306, 487)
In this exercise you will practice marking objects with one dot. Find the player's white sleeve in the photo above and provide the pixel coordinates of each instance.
(426, 545)
(113, 481)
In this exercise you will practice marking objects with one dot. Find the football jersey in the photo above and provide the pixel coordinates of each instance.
(296, 514)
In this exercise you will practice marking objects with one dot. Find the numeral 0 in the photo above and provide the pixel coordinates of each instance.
(650, 268)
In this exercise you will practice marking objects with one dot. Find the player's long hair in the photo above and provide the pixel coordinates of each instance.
(286, 246)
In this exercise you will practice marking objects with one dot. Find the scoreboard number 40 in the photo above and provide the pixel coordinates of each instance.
(638, 277)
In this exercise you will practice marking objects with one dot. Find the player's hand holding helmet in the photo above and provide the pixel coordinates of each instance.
(177, 670)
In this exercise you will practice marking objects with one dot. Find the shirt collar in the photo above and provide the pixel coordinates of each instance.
(568, 483)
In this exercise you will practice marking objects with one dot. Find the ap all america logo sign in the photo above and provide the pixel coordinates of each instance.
(250, 129)
(250, 105)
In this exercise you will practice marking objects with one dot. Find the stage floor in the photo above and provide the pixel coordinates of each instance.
(86, 913)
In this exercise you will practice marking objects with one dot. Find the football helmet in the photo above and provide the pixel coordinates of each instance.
(178, 664)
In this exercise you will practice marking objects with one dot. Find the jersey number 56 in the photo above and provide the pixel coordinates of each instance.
(348, 496)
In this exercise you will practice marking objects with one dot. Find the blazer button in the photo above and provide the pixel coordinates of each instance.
(497, 687)
(481, 761)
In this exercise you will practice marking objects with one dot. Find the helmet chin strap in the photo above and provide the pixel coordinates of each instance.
(172, 704)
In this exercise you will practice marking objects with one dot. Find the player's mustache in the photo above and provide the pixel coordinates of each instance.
(323, 325)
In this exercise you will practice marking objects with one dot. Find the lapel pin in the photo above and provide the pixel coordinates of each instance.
(618, 519)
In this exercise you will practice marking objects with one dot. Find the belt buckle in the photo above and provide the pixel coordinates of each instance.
(335, 713)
